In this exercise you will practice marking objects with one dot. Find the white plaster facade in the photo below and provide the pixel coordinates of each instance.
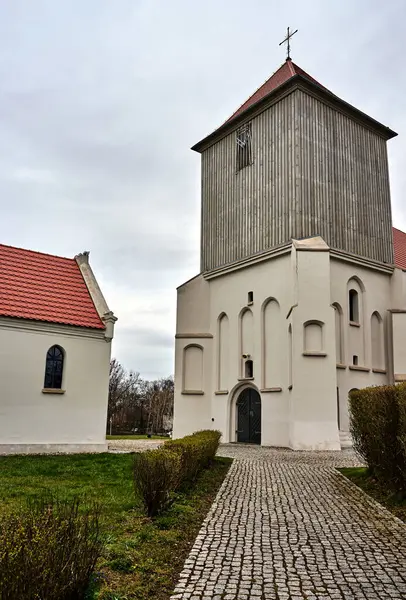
(69, 419)
(303, 389)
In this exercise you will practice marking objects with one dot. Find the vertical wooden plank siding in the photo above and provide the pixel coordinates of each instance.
(315, 171)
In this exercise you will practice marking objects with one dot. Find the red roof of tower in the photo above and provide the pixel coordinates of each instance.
(43, 287)
(285, 72)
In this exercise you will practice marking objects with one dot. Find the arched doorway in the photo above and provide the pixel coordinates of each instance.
(249, 417)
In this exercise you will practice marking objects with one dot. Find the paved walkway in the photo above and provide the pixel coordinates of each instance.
(133, 445)
(286, 525)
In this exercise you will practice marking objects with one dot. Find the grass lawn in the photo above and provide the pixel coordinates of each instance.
(136, 437)
(360, 476)
(142, 558)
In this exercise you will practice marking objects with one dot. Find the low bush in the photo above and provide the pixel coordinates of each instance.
(197, 451)
(378, 431)
(401, 396)
(159, 473)
(48, 551)
(156, 477)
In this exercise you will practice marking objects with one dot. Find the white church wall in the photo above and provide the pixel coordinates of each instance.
(192, 406)
(312, 289)
(31, 420)
(399, 345)
(229, 294)
(313, 416)
(193, 358)
(193, 306)
(398, 289)
(397, 326)
(375, 296)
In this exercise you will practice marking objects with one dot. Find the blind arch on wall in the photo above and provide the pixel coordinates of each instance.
(193, 369)
(246, 337)
(377, 341)
(271, 343)
(339, 333)
(223, 356)
(313, 336)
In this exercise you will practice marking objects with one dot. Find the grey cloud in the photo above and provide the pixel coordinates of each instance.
(100, 102)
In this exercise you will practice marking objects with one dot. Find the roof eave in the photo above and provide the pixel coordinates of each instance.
(383, 130)
(231, 124)
(292, 83)
(71, 326)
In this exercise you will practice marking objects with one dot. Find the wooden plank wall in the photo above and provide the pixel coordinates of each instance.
(315, 171)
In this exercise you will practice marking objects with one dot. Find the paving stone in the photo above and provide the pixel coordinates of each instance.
(287, 526)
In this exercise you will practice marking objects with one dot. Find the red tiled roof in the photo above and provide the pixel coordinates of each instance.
(43, 287)
(286, 71)
(399, 243)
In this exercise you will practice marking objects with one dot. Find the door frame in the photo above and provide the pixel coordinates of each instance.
(232, 409)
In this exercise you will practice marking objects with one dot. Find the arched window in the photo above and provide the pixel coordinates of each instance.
(54, 368)
(353, 305)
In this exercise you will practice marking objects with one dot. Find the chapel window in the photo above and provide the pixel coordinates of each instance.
(244, 149)
(54, 368)
(354, 306)
(250, 297)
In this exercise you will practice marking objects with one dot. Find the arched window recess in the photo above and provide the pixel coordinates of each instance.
(54, 364)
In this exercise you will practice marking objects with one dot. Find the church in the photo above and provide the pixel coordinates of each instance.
(301, 295)
(55, 344)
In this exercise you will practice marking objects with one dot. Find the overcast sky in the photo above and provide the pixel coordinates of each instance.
(100, 101)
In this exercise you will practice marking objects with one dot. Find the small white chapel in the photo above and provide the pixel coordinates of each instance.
(55, 345)
(301, 295)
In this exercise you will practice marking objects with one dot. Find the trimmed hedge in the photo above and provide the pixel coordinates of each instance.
(156, 476)
(48, 551)
(378, 428)
(159, 473)
(196, 452)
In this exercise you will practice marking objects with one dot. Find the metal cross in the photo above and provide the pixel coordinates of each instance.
(287, 39)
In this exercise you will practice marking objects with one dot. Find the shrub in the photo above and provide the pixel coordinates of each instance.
(375, 428)
(156, 476)
(48, 551)
(159, 473)
(401, 396)
(197, 451)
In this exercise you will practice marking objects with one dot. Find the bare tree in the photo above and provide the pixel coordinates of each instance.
(158, 399)
(123, 391)
(136, 404)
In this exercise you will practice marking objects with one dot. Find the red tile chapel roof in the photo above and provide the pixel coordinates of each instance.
(399, 243)
(43, 287)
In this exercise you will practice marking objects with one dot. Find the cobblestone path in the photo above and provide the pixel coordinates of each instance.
(133, 445)
(286, 525)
